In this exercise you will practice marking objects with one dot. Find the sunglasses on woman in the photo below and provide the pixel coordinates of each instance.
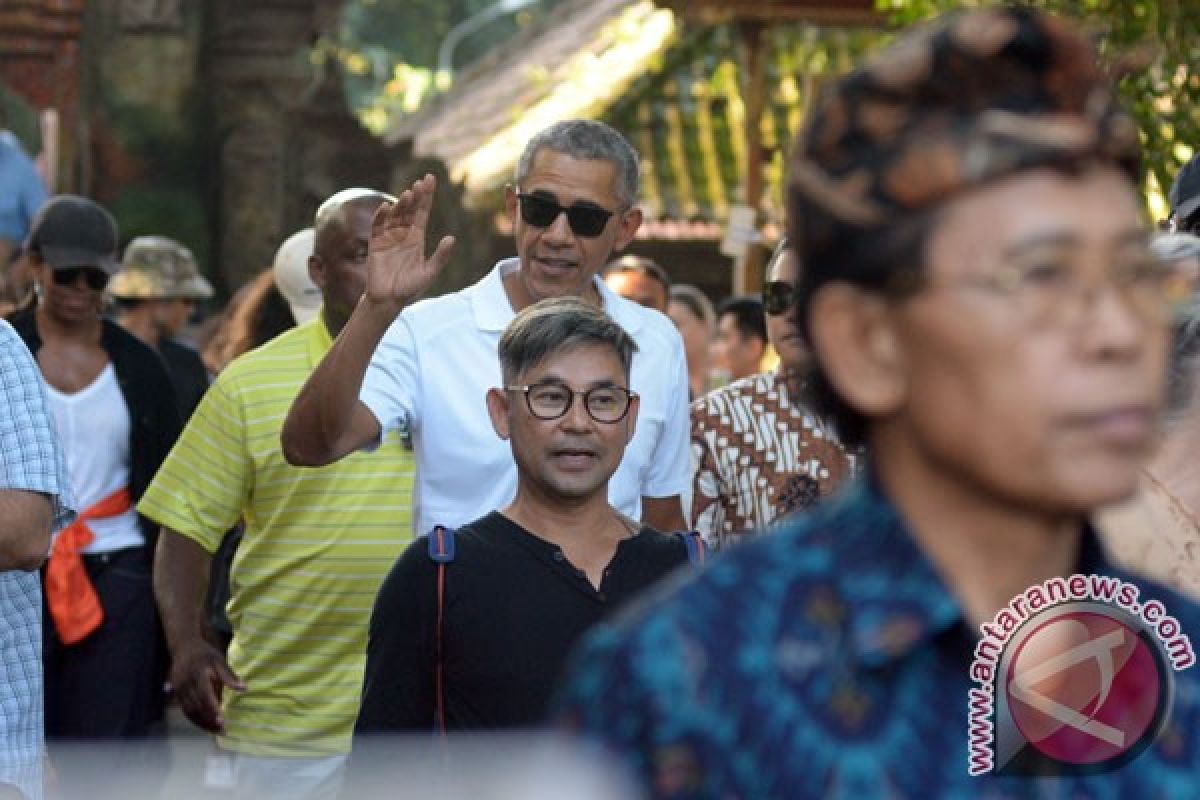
(778, 297)
(586, 220)
(96, 278)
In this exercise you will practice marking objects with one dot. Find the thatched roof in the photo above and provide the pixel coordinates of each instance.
(574, 64)
(674, 90)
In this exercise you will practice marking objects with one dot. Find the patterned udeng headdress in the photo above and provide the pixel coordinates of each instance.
(971, 98)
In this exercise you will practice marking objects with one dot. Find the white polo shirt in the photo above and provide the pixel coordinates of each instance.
(432, 371)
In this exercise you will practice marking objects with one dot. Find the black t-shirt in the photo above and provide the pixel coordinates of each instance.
(514, 607)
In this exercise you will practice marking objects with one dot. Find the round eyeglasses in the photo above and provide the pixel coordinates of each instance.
(547, 401)
(778, 297)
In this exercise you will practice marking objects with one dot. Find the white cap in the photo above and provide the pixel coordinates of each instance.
(292, 278)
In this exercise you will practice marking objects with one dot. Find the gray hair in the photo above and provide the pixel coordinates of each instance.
(587, 140)
(556, 325)
(1185, 338)
(1175, 246)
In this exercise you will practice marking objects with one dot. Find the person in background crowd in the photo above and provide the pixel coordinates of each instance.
(639, 279)
(22, 193)
(156, 292)
(1184, 198)
(317, 544)
(423, 370)
(262, 309)
(257, 314)
(116, 413)
(760, 453)
(984, 313)
(34, 500)
(741, 340)
(693, 314)
(558, 555)
(1158, 532)
(292, 276)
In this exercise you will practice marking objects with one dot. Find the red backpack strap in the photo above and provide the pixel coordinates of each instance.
(441, 552)
(696, 548)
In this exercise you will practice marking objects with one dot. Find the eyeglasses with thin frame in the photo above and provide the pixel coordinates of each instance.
(1055, 295)
(550, 401)
(96, 278)
(586, 220)
(778, 297)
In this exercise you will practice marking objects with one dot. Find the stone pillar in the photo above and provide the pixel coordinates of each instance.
(258, 71)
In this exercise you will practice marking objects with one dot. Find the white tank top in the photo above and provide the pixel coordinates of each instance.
(94, 426)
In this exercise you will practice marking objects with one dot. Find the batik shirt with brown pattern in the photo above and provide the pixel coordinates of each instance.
(758, 457)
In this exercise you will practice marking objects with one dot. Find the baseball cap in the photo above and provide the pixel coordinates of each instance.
(159, 267)
(291, 275)
(1184, 196)
(73, 231)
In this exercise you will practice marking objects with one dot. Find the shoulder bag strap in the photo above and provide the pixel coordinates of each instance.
(441, 551)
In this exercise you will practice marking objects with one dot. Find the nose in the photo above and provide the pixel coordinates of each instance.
(1115, 327)
(559, 230)
(577, 416)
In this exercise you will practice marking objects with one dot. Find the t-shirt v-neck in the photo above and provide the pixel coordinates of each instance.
(553, 557)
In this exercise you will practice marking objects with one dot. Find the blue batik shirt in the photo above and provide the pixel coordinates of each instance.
(828, 660)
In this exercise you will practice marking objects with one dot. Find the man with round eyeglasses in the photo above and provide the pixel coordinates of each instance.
(760, 453)
(526, 580)
(427, 366)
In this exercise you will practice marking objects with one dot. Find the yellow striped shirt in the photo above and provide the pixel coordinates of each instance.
(317, 545)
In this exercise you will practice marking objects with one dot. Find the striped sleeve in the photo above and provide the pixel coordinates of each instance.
(202, 487)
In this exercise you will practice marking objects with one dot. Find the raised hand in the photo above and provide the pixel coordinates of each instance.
(397, 269)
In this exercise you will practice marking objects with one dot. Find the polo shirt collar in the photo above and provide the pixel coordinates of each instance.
(492, 310)
(317, 337)
(895, 600)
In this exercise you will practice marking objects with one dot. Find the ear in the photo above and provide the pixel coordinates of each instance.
(635, 403)
(627, 227)
(855, 337)
(316, 271)
(497, 405)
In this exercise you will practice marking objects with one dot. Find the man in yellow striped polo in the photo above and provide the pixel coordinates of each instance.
(317, 545)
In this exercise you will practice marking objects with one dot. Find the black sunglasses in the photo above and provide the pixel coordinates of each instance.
(585, 220)
(778, 297)
(96, 279)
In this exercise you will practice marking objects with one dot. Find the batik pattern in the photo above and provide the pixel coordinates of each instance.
(759, 457)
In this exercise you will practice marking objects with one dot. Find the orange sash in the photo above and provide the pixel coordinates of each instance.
(71, 597)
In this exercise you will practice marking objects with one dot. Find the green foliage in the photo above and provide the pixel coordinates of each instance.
(1163, 97)
(388, 48)
(166, 210)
